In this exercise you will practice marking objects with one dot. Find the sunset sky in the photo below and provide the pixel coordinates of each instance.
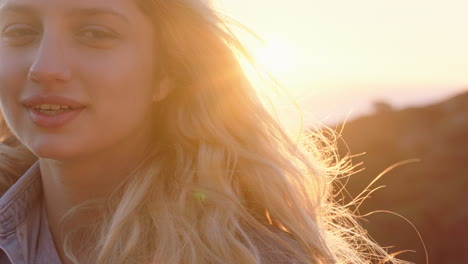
(336, 56)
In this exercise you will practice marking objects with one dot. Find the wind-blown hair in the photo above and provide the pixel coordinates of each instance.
(222, 182)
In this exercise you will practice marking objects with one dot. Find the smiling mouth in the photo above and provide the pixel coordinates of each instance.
(52, 109)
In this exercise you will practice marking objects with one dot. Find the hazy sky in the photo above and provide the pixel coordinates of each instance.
(336, 55)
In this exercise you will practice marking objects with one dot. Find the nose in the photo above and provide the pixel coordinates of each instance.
(49, 67)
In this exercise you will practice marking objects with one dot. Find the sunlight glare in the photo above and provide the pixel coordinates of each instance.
(275, 56)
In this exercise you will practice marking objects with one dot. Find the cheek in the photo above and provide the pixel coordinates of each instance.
(121, 93)
(13, 74)
(123, 70)
(124, 74)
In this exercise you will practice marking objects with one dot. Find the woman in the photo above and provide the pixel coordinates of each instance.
(131, 135)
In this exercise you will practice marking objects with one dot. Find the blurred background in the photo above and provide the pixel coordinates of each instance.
(397, 72)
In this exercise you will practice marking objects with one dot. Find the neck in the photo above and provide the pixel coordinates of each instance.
(94, 177)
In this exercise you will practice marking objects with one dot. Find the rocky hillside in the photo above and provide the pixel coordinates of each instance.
(431, 193)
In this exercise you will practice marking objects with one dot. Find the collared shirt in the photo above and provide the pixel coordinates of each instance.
(25, 237)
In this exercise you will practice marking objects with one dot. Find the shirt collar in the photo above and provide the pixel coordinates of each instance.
(19, 200)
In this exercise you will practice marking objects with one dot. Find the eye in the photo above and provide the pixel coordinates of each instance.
(17, 35)
(97, 36)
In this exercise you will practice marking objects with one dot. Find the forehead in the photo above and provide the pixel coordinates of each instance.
(126, 8)
(64, 3)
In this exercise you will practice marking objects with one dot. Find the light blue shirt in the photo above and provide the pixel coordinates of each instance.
(25, 237)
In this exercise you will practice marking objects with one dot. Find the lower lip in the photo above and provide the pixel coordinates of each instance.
(53, 121)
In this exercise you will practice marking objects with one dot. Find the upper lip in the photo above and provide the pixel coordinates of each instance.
(51, 99)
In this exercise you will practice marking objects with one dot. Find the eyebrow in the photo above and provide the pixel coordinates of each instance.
(15, 8)
(89, 12)
(76, 11)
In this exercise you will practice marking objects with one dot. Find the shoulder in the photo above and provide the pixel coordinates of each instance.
(27, 184)
(14, 163)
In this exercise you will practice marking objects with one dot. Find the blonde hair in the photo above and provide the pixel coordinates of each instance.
(222, 181)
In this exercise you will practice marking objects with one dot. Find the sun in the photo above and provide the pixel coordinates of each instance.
(276, 56)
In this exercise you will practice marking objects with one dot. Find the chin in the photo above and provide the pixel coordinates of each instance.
(53, 154)
(55, 150)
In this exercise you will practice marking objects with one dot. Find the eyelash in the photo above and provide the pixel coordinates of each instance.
(23, 34)
(19, 32)
(99, 34)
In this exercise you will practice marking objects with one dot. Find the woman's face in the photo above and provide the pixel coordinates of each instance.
(76, 76)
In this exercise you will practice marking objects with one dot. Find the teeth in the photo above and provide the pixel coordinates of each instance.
(51, 107)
